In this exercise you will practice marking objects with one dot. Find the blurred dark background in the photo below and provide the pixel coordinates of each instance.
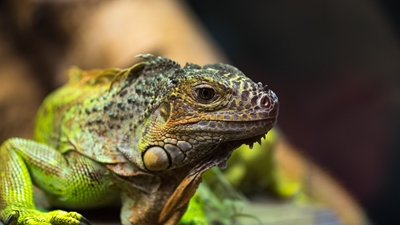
(335, 67)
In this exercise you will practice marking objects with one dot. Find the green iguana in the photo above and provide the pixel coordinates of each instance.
(140, 136)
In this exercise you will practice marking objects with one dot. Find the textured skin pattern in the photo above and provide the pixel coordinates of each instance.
(142, 136)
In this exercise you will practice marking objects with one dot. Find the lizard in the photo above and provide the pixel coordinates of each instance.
(140, 136)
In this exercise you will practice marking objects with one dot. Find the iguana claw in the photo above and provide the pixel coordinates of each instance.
(8, 221)
(84, 221)
(11, 217)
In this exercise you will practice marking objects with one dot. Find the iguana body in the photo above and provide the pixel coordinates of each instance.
(141, 136)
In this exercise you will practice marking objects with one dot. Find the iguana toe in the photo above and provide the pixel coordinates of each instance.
(60, 217)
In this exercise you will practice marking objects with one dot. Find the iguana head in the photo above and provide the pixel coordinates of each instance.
(201, 110)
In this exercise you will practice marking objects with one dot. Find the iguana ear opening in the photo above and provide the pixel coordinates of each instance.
(163, 112)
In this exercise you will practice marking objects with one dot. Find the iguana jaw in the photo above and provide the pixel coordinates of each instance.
(187, 142)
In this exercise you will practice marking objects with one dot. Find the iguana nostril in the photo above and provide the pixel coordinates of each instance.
(264, 101)
(156, 159)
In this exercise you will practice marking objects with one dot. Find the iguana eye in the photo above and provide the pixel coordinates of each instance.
(205, 94)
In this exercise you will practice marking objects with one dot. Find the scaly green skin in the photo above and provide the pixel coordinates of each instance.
(141, 136)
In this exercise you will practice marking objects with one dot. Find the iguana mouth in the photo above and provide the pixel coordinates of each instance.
(252, 140)
(232, 124)
(237, 130)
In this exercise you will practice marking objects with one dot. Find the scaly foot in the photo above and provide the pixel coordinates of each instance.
(23, 216)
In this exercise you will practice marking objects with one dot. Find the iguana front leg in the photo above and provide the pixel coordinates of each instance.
(69, 179)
